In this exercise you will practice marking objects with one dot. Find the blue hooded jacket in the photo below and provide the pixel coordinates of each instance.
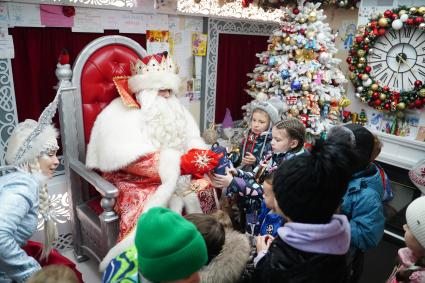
(362, 204)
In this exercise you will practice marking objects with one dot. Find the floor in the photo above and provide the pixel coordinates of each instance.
(89, 268)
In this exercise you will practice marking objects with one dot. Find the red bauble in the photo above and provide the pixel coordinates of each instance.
(410, 21)
(302, 31)
(373, 24)
(366, 33)
(381, 31)
(64, 57)
(418, 103)
(359, 39)
(385, 88)
(366, 47)
(388, 13)
(419, 20)
(360, 76)
(352, 68)
(296, 11)
(411, 105)
(349, 60)
(375, 95)
(377, 102)
(418, 83)
(375, 31)
(394, 16)
(368, 69)
(370, 103)
(387, 106)
(353, 52)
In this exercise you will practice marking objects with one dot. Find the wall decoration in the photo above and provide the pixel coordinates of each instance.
(387, 61)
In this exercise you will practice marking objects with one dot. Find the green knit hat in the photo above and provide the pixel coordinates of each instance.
(168, 246)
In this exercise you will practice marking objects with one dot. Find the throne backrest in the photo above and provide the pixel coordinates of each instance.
(94, 69)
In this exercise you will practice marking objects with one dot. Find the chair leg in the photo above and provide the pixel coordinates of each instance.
(109, 224)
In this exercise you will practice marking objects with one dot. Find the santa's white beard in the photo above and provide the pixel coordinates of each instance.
(164, 119)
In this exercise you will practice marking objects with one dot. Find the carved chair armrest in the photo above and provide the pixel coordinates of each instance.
(105, 188)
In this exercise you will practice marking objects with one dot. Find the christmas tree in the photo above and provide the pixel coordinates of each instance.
(298, 67)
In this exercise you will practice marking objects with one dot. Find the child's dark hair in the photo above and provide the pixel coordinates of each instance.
(309, 188)
(362, 140)
(294, 128)
(211, 230)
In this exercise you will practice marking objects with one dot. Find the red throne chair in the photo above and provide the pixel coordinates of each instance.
(94, 222)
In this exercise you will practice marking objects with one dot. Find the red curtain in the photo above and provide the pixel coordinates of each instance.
(36, 55)
(236, 58)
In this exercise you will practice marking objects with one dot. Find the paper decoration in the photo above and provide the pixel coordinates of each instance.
(87, 20)
(132, 23)
(156, 22)
(6, 45)
(4, 17)
(199, 44)
(52, 16)
(157, 41)
(24, 15)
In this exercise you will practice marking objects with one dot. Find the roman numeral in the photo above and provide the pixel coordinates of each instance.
(421, 72)
(395, 83)
(376, 56)
(410, 81)
(377, 67)
(407, 32)
(384, 77)
(393, 34)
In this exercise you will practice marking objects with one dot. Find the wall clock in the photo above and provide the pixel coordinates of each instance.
(387, 60)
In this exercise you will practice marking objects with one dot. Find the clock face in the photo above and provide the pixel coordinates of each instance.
(398, 58)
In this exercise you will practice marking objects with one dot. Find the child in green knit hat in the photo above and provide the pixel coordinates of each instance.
(168, 249)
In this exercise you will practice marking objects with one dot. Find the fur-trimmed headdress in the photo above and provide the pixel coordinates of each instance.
(46, 140)
(156, 71)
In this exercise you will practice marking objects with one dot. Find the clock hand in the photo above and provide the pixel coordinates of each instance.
(404, 61)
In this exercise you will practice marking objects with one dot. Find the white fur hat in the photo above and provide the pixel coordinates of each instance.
(415, 216)
(274, 107)
(47, 138)
(417, 175)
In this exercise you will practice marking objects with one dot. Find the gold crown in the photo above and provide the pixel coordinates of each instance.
(153, 63)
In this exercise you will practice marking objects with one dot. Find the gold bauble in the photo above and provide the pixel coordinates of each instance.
(360, 65)
(383, 22)
(374, 86)
(287, 40)
(294, 111)
(367, 40)
(413, 10)
(421, 10)
(312, 19)
(301, 21)
(309, 75)
(321, 102)
(422, 92)
(362, 60)
(382, 96)
(400, 115)
(361, 53)
(352, 76)
(369, 92)
(312, 14)
(365, 77)
(401, 106)
(401, 12)
(292, 42)
(305, 87)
